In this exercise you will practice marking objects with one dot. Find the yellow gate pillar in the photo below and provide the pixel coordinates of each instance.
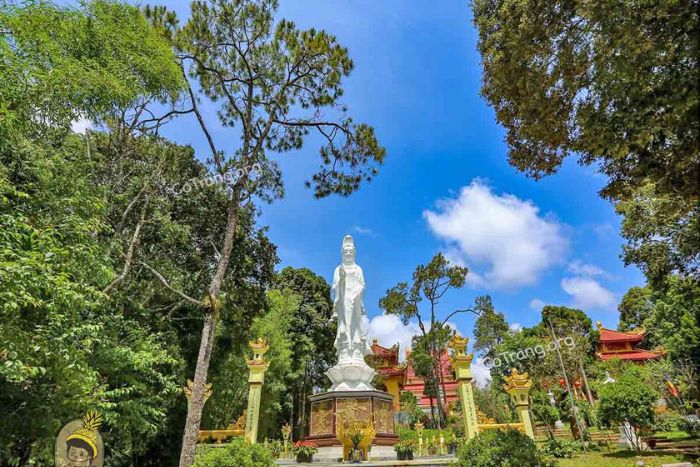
(462, 366)
(257, 366)
(518, 387)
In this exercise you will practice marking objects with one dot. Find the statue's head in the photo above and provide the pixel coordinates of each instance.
(348, 250)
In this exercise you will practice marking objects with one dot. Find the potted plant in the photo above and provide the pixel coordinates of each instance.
(356, 455)
(304, 451)
(404, 450)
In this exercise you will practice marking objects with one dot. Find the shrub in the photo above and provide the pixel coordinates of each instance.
(690, 426)
(667, 422)
(560, 448)
(238, 453)
(404, 446)
(627, 400)
(305, 448)
(496, 448)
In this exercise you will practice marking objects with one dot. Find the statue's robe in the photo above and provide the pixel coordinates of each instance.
(348, 304)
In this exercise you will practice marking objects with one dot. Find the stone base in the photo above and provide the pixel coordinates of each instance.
(335, 453)
(351, 376)
(373, 405)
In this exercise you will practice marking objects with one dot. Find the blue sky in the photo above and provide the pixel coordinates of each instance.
(416, 80)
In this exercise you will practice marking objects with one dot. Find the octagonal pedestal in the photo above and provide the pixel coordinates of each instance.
(373, 405)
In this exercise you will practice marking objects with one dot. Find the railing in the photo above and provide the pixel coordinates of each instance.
(502, 426)
(219, 436)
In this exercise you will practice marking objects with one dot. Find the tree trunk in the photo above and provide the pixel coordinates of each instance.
(589, 396)
(196, 403)
(436, 379)
(444, 388)
(432, 407)
(438, 397)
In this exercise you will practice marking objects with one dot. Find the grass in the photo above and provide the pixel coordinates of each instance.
(672, 435)
(618, 458)
(409, 434)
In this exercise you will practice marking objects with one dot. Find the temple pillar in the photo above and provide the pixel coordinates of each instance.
(461, 364)
(393, 388)
(518, 388)
(257, 367)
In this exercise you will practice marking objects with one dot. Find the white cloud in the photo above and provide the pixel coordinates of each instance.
(503, 232)
(515, 327)
(363, 230)
(80, 125)
(481, 374)
(537, 304)
(580, 268)
(587, 293)
(388, 330)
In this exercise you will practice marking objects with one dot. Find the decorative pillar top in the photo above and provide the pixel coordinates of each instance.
(259, 348)
(517, 381)
(419, 427)
(459, 357)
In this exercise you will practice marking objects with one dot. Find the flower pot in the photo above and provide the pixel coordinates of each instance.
(301, 458)
(409, 456)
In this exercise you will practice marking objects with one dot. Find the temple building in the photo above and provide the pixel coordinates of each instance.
(400, 377)
(623, 345)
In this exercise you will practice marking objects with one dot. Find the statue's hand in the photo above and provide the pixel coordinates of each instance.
(341, 272)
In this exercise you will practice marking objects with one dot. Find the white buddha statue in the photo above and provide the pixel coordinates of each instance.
(351, 342)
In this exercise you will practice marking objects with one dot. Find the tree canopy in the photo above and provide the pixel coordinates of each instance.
(614, 85)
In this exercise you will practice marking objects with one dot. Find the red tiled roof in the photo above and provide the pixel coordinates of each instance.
(383, 351)
(608, 335)
(636, 355)
(391, 371)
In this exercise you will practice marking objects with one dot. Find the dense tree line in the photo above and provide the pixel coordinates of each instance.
(108, 272)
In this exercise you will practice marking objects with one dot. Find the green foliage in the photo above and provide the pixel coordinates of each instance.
(229, 385)
(634, 308)
(311, 337)
(560, 448)
(275, 85)
(69, 63)
(607, 83)
(674, 321)
(496, 448)
(545, 412)
(616, 86)
(410, 408)
(494, 403)
(411, 435)
(430, 283)
(238, 453)
(627, 400)
(405, 446)
(662, 232)
(490, 328)
(63, 349)
(667, 422)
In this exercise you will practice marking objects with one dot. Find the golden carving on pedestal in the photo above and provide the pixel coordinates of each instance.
(322, 418)
(354, 427)
(383, 417)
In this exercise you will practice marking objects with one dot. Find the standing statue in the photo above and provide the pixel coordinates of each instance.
(351, 342)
